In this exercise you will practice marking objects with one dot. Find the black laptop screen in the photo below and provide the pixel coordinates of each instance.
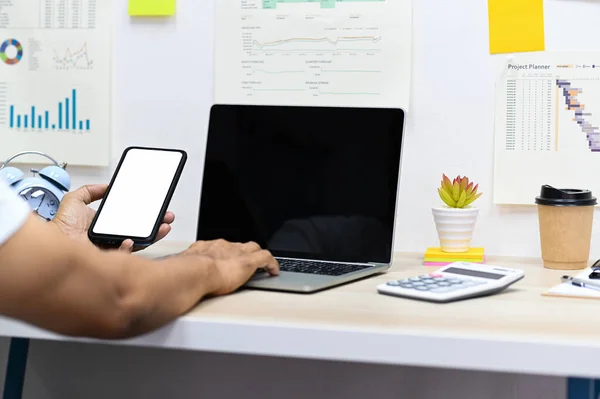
(309, 182)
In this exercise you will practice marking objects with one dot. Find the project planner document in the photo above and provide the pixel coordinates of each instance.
(547, 125)
(323, 52)
(55, 79)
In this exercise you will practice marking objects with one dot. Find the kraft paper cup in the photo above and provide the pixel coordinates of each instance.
(565, 220)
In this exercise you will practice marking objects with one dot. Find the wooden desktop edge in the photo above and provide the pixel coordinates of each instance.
(353, 323)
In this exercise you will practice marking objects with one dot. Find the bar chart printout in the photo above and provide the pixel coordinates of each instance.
(547, 128)
(63, 118)
(570, 94)
(55, 80)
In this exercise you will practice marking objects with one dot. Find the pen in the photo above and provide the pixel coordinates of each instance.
(582, 283)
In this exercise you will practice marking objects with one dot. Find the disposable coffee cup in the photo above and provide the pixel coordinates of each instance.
(565, 220)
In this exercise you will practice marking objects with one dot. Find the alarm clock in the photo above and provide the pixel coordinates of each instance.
(44, 190)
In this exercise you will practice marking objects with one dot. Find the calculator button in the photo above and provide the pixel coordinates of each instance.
(414, 279)
(393, 283)
(435, 275)
(443, 284)
(422, 288)
(418, 283)
(405, 285)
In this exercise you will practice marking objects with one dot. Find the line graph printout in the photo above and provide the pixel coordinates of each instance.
(78, 58)
(325, 52)
(55, 80)
(547, 125)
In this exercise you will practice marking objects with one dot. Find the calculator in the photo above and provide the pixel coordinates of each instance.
(453, 282)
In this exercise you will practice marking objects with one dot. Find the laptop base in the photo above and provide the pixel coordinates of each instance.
(305, 283)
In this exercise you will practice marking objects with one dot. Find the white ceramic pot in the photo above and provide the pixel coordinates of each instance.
(455, 227)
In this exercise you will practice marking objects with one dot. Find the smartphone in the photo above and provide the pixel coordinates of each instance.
(137, 197)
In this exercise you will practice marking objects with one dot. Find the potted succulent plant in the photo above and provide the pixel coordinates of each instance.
(455, 221)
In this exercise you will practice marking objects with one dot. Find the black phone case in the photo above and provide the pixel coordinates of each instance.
(115, 241)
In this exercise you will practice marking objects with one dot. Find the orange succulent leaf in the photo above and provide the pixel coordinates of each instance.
(458, 192)
(469, 188)
(446, 183)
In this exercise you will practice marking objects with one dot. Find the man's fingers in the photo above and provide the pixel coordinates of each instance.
(247, 247)
(262, 260)
(219, 243)
(169, 217)
(250, 247)
(89, 193)
(163, 230)
(126, 246)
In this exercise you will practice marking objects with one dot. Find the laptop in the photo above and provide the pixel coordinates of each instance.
(316, 186)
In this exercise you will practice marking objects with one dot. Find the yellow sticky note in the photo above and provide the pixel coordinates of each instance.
(151, 7)
(516, 25)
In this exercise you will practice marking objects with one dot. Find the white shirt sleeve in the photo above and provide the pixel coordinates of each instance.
(13, 212)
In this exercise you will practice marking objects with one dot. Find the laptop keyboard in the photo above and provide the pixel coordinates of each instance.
(322, 268)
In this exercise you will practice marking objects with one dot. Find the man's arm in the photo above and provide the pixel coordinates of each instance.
(73, 288)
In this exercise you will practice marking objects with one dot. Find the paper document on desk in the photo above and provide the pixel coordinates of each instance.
(547, 124)
(572, 291)
(313, 52)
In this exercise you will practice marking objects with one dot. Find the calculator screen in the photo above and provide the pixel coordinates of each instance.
(474, 273)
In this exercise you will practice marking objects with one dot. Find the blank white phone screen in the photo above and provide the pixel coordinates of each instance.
(136, 197)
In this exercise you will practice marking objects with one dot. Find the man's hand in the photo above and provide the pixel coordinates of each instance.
(74, 216)
(235, 263)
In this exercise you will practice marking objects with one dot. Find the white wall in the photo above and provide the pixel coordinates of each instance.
(162, 92)
(449, 130)
(451, 126)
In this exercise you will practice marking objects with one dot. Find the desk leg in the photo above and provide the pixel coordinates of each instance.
(581, 388)
(15, 368)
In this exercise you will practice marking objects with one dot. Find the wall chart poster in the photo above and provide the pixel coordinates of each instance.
(547, 125)
(55, 80)
(307, 52)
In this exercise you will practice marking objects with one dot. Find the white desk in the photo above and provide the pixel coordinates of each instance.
(517, 331)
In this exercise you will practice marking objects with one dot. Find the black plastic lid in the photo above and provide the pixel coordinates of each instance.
(565, 197)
